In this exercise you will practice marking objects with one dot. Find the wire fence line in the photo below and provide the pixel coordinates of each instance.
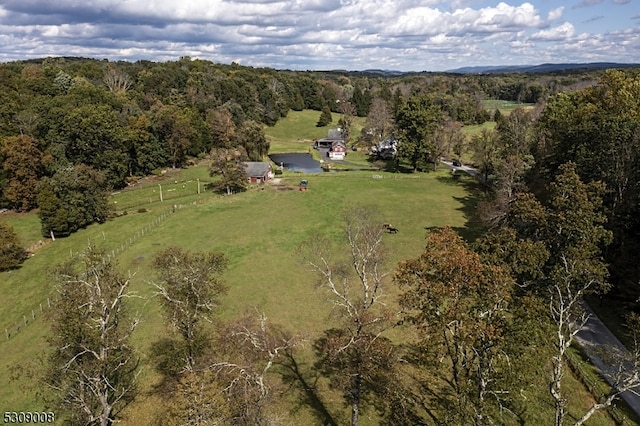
(592, 386)
(150, 193)
(12, 329)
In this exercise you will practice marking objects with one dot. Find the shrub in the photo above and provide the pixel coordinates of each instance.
(11, 252)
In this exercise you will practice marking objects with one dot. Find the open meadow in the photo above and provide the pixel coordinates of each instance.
(259, 231)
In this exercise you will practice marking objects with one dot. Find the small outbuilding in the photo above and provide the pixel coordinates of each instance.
(259, 171)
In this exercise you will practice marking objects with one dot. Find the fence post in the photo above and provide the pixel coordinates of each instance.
(24, 317)
(6, 332)
(33, 314)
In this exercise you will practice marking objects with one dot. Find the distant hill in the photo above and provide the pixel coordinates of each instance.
(543, 68)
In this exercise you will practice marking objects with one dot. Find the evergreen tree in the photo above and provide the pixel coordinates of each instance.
(325, 117)
(11, 252)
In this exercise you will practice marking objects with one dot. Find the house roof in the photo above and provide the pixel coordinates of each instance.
(257, 168)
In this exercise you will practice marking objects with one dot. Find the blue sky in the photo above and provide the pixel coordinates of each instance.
(406, 35)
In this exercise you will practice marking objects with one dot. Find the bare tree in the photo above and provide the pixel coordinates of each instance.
(360, 355)
(623, 373)
(379, 121)
(251, 347)
(117, 81)
(92, 369)
(190, 289)
(569, 318)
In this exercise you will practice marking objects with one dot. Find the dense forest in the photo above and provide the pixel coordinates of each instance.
(560, 215)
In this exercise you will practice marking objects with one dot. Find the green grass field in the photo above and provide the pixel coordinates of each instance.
(297, 131)
(259, 231)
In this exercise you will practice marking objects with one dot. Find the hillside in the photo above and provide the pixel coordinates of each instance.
(543, 68)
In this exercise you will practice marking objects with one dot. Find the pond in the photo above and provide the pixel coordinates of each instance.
(296, 161)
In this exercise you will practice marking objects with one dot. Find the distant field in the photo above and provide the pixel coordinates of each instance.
(505, 107)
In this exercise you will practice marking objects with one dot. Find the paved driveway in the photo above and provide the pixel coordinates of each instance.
(598, 342)
(468, 170)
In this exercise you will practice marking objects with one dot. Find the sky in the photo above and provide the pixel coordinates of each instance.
(403, 35)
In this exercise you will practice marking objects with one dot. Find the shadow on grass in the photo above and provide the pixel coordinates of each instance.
(306, 382)
(472, 228)
(390, 166)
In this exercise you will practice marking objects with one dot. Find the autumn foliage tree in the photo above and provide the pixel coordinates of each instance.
(23, 167)
(460, 308)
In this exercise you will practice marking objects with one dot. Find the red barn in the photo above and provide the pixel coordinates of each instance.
(258, 171)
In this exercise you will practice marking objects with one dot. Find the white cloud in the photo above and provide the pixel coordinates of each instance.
(305, 34)
(587, 3)
(561, 32)
(556, 13)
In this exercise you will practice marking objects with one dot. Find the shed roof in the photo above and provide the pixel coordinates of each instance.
(257, 168)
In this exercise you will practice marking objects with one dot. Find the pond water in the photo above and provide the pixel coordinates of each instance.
(296, 161)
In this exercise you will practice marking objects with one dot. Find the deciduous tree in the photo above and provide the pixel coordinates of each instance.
(459, 305)
(417, 121)
(92, 370)
(246, 351)
(190, 289)
(251, 137)
(571, 225)
(230, 165)
(357, 356)
(486, 152)
(379, 121)
(71, 199)
(221, 125)
(23, 166)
